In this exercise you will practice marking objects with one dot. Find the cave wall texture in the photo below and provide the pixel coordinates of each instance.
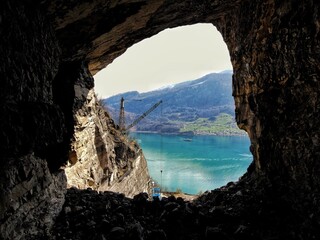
(46, 45)
(32, 123)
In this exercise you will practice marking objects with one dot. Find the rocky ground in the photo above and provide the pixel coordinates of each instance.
(227, 213)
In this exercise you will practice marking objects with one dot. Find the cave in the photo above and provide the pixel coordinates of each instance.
(50, 50)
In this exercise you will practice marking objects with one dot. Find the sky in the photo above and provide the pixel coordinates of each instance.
(172, 56)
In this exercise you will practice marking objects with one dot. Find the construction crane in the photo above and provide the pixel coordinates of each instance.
(122, 124)
(135, 122)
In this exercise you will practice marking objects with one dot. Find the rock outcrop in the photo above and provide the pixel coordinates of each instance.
(31, 123)
(101, 157)
(276, 89)
(47, 46)
(31, 197)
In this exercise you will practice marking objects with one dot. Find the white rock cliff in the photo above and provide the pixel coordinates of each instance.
(101, 157)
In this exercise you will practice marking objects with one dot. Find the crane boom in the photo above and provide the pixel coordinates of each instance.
(135, 122)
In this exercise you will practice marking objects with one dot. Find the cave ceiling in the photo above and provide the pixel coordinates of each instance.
(99, 31)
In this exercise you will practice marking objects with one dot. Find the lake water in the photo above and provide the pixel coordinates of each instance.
(197, 163)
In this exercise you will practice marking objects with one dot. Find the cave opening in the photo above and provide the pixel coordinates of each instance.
(189, 69)
(50, 49)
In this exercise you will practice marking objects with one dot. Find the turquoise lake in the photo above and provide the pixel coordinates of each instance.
(196, 163)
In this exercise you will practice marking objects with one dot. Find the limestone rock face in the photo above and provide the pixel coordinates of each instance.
(100, 156)
(135, 180)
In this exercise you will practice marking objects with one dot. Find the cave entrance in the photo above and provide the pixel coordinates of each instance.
(195, 144)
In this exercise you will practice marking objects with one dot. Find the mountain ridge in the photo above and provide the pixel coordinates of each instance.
(183, 104)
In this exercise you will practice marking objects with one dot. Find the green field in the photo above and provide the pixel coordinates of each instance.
(224, 124)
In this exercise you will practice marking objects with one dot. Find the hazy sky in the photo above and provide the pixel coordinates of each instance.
(172, 56)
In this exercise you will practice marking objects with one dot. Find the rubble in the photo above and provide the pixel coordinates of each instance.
(219, 214)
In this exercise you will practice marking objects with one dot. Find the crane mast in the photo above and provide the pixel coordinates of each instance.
(122, 125)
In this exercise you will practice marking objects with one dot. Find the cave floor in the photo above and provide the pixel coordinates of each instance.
(235, 211)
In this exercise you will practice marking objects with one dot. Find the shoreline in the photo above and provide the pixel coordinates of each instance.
(185, 196)
(194, 134)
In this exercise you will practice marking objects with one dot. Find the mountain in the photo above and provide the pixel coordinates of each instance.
(195, 106)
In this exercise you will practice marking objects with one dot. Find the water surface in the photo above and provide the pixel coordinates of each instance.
(197, 163)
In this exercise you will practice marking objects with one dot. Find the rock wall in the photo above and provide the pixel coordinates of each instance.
(276, 88)
(31, 123)
(133, 181)
(31, 197)
(100, 156)
(41, 97)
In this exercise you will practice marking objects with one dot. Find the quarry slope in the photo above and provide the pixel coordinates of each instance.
(101, 157)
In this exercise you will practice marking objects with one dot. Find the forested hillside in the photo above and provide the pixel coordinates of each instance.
(202, 106)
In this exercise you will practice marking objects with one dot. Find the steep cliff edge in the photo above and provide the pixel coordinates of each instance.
(100, 156)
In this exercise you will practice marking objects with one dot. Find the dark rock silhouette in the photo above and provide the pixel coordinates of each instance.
(220, 214)
(45, 46)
